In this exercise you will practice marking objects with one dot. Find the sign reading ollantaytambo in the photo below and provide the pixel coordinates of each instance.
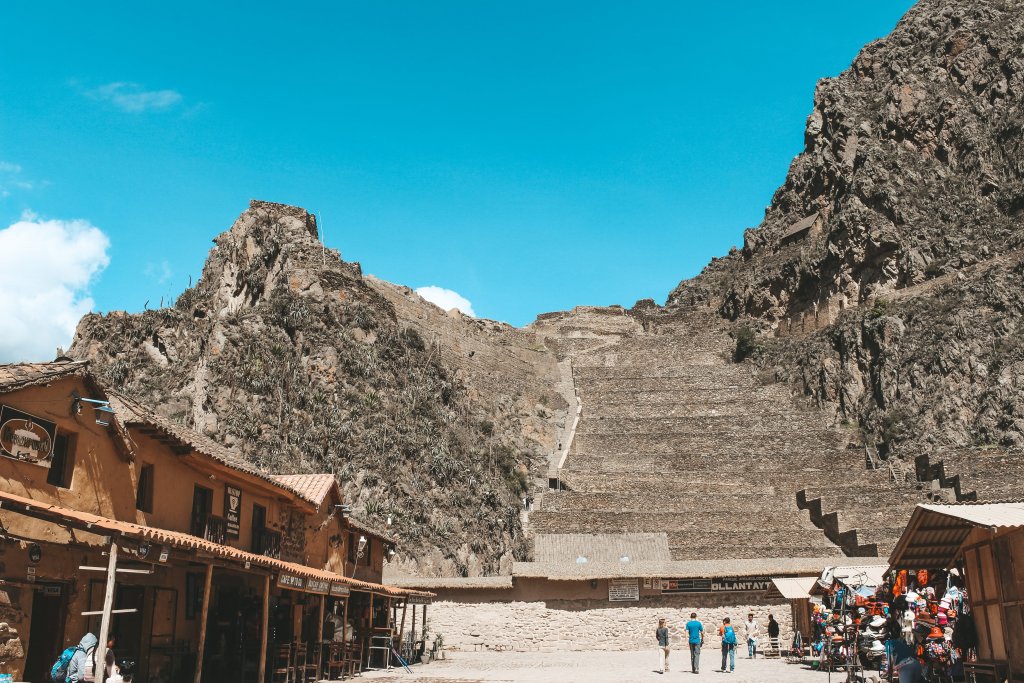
(26, 437)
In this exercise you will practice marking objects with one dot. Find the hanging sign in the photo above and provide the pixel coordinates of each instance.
(419, 600)
(290, 581)
(719, 585)
(623, 590)
(26, 437)
(317, 586)
(232, 509)
(339, 590)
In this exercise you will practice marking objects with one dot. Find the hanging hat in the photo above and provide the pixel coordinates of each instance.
(876, 647)
(837, 639)
(878, 622)
(942, 619)
(936, 632)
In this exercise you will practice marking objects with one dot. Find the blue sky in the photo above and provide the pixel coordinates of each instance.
(531, 156)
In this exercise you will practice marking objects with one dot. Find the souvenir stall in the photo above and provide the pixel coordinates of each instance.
(927, 607)
(849, 621)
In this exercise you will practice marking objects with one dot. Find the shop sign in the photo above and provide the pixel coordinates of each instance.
(26, 437)
(623, 590)
(718, 585)
(35, 553)
(418, 600)
(290, 581)
(232, 509)
(317, 586)
(339, 590)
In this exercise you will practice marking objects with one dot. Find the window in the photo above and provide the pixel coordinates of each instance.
(62, 463)
(144, 496)
(352, 541)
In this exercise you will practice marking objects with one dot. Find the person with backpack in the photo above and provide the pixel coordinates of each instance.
(81, 665)
(728, 645)
(663, 649)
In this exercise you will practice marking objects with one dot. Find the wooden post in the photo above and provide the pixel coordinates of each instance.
(320, 637)
(108, 605)
(413, 634)
(207, 585)
(265, 628)
(401, 630)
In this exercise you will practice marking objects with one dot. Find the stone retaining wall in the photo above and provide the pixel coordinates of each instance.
(536, 626)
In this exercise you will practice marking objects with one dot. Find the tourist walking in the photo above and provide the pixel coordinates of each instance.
(751, 630)
(728, 645)
(663, 650)
(83, 663)
(696, 631)
(773, 634)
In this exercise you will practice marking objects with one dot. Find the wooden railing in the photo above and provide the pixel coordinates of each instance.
(210, 527)
(266, 542)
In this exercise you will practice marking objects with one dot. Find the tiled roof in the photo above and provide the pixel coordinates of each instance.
(367, 529)
(95, 524)
(312, 487)
(133, 413)
(15, 376)
(601, 547)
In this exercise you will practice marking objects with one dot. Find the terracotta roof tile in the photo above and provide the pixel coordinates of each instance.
(95, 523)
(312, 487)
(15, 376)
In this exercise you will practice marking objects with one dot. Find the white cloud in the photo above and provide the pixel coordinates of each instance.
(44, 283)
(158, 272)
(10, 179)
(8, 167)
(446, 299)
(131, 97)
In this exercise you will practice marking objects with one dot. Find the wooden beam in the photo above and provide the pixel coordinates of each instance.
(320, 637)
(401, 629)
(207, 584)
(264, 627)
(108, 606)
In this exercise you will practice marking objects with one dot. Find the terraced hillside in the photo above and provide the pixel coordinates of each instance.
(676, 437)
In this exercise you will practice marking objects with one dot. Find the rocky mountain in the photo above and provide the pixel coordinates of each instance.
(888, 265)
(290, 355)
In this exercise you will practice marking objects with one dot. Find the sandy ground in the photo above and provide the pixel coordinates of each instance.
(597, 667)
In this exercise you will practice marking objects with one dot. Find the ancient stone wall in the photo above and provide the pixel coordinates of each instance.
(576, 625)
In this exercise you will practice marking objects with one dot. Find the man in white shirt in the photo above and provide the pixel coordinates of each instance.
(751, 628)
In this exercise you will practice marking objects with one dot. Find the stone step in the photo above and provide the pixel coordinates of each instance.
(733, 518)
(762, 421)
(659, 485)
(742, 444)
(687, 383)
(676, 502)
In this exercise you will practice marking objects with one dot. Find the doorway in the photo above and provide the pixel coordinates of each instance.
(46, 634)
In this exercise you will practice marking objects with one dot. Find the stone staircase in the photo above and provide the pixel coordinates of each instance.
(674, 437)
(989, 474)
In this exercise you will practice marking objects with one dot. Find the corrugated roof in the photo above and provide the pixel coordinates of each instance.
(96, 524)
(935, 533)
(795, 587)
(1010, 514)
(679, 569)
(312, 487)
(556, 548)
(452, 582)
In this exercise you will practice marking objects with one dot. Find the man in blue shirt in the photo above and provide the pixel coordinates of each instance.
(696, 631)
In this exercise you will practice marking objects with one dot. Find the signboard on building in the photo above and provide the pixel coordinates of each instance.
(232, 509)
(26, 437)
(290, 581)
(317, 586)
(339, 590)
(623, 590)
(718, 585)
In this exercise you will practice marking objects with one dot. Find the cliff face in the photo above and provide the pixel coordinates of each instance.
(888, 265)
(289, 355)
(913, 167)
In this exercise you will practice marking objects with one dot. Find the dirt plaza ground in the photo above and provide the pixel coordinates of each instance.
(596, 667)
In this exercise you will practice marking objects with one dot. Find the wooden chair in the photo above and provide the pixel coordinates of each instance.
(281, 665)
(336, 661)
(354, 658)
(299, 662)
(310, 669)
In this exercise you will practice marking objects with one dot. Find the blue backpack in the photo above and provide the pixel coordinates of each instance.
(59, 670)
(730, 636)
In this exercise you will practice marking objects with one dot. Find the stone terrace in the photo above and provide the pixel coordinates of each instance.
(675, 437)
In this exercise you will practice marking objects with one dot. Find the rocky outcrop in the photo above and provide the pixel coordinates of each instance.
(289, 355)
(888, 266)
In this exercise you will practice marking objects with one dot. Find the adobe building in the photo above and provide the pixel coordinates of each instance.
(606, 591)
(116, 520)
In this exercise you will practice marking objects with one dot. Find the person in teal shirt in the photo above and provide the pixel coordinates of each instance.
(696, 631)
